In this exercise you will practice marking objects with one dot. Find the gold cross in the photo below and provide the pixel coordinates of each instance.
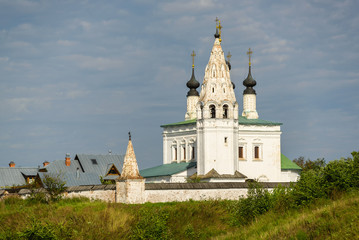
(229, 56)
(220, 28)
(249, 53)
(193, 55)
(217, 21)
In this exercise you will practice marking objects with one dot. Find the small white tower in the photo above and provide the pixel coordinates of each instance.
(192, 95)
(249, 94)
(217, 115)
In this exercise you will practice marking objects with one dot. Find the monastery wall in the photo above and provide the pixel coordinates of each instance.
(157, 192)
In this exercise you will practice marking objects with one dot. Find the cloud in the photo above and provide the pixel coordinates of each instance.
(188, 6)
(94, 63)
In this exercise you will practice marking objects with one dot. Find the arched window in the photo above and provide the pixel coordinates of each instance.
(225, 111)
(212, 110)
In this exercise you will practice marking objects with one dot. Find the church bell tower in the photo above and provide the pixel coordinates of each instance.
(217, 115)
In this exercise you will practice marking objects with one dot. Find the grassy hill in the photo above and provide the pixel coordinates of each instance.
(82, 219)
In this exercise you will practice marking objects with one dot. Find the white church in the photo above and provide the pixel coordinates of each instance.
(217, 142)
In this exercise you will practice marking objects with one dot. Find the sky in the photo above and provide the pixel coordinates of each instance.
(77, 75)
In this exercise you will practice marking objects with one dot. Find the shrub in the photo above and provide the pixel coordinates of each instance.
(257, 202)
(309, 187)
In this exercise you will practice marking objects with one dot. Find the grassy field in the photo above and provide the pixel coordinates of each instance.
(83, 219)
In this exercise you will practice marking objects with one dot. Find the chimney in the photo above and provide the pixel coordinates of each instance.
(45, 163)
(67, 159)
(12, 164)
(109, 152)
(77, 173)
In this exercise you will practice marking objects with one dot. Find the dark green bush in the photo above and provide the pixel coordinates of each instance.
(257, 202)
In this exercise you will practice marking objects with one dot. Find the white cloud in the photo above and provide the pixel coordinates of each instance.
(188, 6)
(94, 63)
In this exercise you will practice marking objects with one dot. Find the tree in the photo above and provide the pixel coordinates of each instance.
(309, 164)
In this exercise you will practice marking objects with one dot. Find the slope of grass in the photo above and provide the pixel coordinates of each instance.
(83, 219)
(324, 219)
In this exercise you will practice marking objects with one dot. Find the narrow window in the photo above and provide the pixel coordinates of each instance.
(256, 152)
(212, 109)
(174, 154)
(192, 153)
(225, 139)
(240, 152)
(213, 90)
(184, 152)
(225, 111)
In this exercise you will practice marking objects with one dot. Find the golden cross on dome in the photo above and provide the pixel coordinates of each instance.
(229, 56)
(217, 21)
(249, 53)
(193, 55)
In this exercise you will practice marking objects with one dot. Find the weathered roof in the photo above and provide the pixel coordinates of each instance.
(167, 169)
(15, 176)
(287, 164)
(214, 174)
(241, 121)
(192, 121)
(60, 166)
(76, 178)
(100, 165)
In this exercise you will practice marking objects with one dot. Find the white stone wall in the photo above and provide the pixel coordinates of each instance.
(249, 106)
(191, 107)
(182, 138)
(266, 168)
(103, 195)
(217, 148)
(180, 195)
(130, 191)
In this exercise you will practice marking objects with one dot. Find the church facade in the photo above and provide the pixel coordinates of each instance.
(216, 142)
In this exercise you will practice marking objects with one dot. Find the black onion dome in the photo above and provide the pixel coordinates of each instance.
(229, 65)
(192, 84)
(249, 82)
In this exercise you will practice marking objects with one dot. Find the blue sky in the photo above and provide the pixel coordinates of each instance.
(76, 76)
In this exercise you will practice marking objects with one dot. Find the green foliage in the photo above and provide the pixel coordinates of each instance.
(151, 225)
(257, 202)
(105, 182)
(38, 231)
(194, 180)
(54, 186)
(309, 164)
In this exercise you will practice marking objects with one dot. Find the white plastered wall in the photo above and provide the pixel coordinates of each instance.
(268, 166)
(180, 137)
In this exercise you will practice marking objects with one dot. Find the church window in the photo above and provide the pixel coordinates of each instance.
(224, 90)
(212, 110)
(256, 152)
(225, 139)
(192, 153)
(174, 153)
(240, 152)
(225, 111)
(213, 90)
(184, 152)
